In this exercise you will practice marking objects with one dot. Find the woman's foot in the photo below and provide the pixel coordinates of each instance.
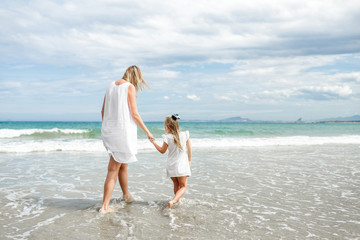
(129, 198)
(108, 210)
(171, 203)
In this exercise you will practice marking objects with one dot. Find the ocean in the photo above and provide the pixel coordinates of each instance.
(249, 181)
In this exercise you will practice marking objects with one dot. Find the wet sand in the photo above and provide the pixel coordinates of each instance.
(288, 192)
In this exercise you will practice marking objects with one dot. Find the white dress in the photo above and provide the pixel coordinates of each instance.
(177, 162)
(118, 130)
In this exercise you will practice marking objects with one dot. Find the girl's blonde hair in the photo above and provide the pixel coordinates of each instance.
(174, 129)
(134, 76)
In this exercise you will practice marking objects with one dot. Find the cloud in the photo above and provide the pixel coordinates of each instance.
(193, 97)
(278, 94)
(165, 74)
(10, 84)
(348, 77)
(261, 71)
(166, 97)
(310, 92)
(325, 92)
(226, 98)
(99, 33)
(232, 97)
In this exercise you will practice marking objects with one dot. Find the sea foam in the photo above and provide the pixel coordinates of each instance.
(96, 145)
(14, 133)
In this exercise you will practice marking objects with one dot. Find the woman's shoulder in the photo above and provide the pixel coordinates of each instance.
(130, 87)
(121, 82)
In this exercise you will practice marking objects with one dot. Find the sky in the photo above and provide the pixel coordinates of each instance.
(205, 60)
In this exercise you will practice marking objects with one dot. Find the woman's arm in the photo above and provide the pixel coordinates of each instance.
(102, 110)
(162, 149)
(188, 146)
(134, 112)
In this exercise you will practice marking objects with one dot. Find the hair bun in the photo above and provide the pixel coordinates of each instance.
(175, 116)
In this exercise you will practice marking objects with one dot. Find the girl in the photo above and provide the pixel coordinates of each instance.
(179, 156)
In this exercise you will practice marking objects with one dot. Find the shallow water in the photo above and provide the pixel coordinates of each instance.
(274, 192)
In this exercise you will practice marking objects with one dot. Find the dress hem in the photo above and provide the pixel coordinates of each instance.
(129, 158)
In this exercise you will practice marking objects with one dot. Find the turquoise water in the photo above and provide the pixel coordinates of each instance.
(24, 137)
(197, 129)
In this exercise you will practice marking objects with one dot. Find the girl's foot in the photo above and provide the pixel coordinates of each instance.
(171, 203)
(129, 198)
(108, 210)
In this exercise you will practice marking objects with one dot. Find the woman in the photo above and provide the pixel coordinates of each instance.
(119, 131)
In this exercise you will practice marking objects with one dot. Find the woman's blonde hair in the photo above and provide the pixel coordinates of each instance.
(134, 76)
(174, 129)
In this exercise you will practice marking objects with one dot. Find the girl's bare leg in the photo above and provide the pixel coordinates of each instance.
(123, 180)
(180, 192)
(113, 169)
(176, 184)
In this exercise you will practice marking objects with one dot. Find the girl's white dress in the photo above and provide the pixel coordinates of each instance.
(177, 162)
(118, 130)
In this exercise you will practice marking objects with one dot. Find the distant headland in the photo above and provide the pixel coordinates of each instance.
(351, 119)
(355, 118)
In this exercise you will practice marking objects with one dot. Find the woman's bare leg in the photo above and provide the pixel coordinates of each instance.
(180, 192)
(113, 169)
(123, 180)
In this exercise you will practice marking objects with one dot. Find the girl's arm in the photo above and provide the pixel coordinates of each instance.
(188, 146)
(162, 149)
(102, 110)
(134, 112)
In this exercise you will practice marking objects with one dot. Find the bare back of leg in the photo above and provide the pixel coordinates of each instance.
(123, 180)
(182, 181)
(110, 182)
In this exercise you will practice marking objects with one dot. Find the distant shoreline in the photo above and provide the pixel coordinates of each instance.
(285, 122)
(200, 121)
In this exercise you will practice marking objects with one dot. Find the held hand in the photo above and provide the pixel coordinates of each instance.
(150, 137)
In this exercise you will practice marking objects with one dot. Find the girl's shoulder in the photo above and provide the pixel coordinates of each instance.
(186, 133)
(167, 137)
